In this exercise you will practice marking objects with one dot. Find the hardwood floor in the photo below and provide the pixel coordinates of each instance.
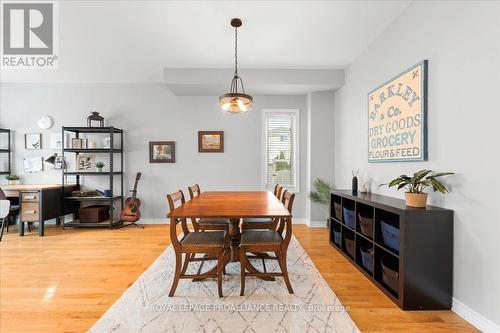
(65, 281)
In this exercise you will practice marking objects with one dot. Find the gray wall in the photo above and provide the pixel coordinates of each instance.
(320, 150)
(150, 112)
(461, 40)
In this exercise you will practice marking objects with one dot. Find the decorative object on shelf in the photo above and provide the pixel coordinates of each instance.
(321, 192)
(397, 117)
(365, 187)
(99, 165)
(33, 141)
(33, 164)
(76, 143)
(12, 179)
(106, 143)
(416, 184)
(236, 101)
(95, 117)
(161, 152)
(355, 174)
(45, 122)
(105, 193)
(55, 140)
(210, 141)
(91, 144)
(85, 162)
(83, 194)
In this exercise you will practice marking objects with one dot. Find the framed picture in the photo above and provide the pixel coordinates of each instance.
(55, 141)
(397, 117)
(76, 143)
(210, 141)
(161, 152)
(33, 164)
(33, 141)
(85, 162)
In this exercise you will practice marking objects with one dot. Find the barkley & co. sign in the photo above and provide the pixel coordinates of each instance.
(397, 125)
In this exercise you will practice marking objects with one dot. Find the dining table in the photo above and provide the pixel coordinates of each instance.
(233, 205)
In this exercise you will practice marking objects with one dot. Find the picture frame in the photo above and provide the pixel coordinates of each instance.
(33, 164)
(85, 162)
(397, 117)
(55, 141)
(162, 152)
(210, 141)
(76, 143)
(33, 141)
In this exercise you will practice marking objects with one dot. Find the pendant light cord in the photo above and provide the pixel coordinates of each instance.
(235, 51)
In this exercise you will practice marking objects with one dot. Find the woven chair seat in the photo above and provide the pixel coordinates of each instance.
(213, 220)
(208, 238)
(257, 220)
(260, 237)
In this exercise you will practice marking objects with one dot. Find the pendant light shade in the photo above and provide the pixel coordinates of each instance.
(236, 100)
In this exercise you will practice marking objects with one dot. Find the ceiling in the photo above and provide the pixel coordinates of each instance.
(133, 41)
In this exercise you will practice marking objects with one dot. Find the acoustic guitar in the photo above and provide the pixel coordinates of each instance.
(130, 211)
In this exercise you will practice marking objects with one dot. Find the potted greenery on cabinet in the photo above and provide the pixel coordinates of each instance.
(416, 184)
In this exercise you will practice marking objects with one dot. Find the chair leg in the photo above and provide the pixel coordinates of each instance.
(3, 226)
(8, 222)
(187, 258)
(175, 282)
(220, 266)
(282, 262)
(242, 271)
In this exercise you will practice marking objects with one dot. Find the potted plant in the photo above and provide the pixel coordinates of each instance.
(12, 179)
(99, 165)
(416, 184)
(321, 193)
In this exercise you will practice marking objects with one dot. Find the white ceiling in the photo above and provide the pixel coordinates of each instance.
(133, 41)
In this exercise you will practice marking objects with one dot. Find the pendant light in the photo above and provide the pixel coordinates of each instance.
(236, 101)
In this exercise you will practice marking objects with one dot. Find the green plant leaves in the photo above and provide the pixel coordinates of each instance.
(420, 181)
(321, 194)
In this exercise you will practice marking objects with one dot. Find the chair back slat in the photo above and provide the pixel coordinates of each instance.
(194, 191)
(176, 199)
(287, 200)
(278, 189)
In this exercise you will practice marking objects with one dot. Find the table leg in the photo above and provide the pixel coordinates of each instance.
(234, 232)
(21, 227)
(41, 227)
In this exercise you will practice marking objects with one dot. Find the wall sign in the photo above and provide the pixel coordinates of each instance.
(397, 124)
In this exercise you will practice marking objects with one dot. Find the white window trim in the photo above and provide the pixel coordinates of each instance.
(265, 112)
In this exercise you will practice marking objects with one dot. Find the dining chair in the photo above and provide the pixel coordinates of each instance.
(4, 212)
(193, 242)
(264, 222)
(276, 241)
(203, 224)
(13, 211)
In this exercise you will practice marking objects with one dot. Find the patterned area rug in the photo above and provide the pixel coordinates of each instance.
(266, 307)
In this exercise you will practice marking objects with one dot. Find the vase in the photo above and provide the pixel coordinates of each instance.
(13, 182)
(99, 169)
(354, 185)
(416, 199)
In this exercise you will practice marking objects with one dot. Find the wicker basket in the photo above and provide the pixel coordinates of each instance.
(366, 225)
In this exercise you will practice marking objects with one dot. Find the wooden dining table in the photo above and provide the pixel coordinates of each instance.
(233, 205)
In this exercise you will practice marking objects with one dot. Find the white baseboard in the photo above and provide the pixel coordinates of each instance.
(316, 224)
(153, 220)
(476, 319)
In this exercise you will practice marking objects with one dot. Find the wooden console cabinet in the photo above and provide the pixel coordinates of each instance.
(423, 266)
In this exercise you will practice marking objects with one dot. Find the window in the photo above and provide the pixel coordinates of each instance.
(280, 128)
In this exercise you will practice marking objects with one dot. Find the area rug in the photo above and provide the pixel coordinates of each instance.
(266, 307)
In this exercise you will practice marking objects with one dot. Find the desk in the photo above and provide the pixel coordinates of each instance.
(40, 203)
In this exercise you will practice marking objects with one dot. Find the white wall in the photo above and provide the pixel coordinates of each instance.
(461, 40)
(150, 112)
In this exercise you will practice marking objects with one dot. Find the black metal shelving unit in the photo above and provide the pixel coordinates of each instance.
(111, 173)
(6, 132)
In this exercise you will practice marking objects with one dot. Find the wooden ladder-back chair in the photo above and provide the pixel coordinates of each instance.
(193, 242)
(263, 223)
(263, 241)
(204, 224)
